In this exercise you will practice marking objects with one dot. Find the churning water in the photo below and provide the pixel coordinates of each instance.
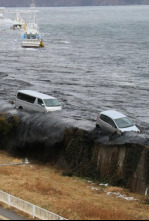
(95, 58)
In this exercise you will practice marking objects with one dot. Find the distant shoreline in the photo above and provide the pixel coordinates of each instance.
(71, 3)
(61, 6)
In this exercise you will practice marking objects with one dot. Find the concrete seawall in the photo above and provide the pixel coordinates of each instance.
(120, 161)
(124, 165)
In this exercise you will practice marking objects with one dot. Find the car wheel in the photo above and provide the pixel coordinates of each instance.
(98, 126)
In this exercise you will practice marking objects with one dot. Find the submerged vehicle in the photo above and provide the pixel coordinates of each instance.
(115, 122)
(34, 101)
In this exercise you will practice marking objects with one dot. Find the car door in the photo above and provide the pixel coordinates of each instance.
(107, 124)
(101, 121)
(111, 122)
(40, 106)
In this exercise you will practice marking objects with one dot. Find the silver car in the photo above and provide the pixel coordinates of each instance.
(115, 122)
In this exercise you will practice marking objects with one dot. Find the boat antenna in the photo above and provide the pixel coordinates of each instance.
(32, 16)
(33, 3)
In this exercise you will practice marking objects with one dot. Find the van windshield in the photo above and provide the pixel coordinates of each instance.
(52, 103)
(124, 122)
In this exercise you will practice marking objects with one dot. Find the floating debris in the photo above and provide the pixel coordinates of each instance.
(106, 185)
(122, 196)
(93, 188)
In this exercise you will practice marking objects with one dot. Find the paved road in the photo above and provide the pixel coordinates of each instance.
(9, 215)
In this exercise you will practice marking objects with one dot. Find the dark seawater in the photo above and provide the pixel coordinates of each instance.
(95, 58)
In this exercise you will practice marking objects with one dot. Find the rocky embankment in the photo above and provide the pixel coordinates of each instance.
(120, 161)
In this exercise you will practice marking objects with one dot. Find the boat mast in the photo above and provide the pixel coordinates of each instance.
(32, 16)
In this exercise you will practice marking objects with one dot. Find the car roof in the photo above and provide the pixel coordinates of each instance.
(113, 114)
(36, 94)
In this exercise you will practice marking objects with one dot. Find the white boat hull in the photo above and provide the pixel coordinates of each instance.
(31, 43)
(1, 16)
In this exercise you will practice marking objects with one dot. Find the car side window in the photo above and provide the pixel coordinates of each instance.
(40, 102)
(26, 98)
(103, 117)
(111, 122)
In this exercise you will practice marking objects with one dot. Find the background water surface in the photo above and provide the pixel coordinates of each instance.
(95, 58)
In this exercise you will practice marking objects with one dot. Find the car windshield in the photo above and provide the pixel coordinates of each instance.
(124, 122)
(52, 103)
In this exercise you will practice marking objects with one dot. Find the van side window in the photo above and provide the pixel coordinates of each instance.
(111, 122)
(26, 98)
(40, 102)
(103, 117)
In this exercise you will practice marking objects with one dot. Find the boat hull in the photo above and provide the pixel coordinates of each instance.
(1, 16)
(31, 44)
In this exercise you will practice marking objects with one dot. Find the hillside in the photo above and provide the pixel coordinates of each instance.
(55, 3)
(70, 197)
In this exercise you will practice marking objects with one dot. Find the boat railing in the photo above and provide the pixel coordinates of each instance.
(31, 40)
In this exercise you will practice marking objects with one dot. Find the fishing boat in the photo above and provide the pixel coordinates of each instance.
(2, 10)
(31, 37)
(1, 16)
(19, 23)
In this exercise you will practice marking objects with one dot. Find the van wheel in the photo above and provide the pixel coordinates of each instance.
(20, 108)
(98, 126)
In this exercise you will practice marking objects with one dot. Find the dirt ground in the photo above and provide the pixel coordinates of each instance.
(70, 197)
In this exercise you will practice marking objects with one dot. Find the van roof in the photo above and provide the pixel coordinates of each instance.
(113, 114)
(36, 94)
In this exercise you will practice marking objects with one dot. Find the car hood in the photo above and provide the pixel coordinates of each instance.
(133, 128)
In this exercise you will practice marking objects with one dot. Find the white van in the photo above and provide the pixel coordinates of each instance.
(33, 101)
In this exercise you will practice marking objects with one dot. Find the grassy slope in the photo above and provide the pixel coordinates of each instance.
(69, 197)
